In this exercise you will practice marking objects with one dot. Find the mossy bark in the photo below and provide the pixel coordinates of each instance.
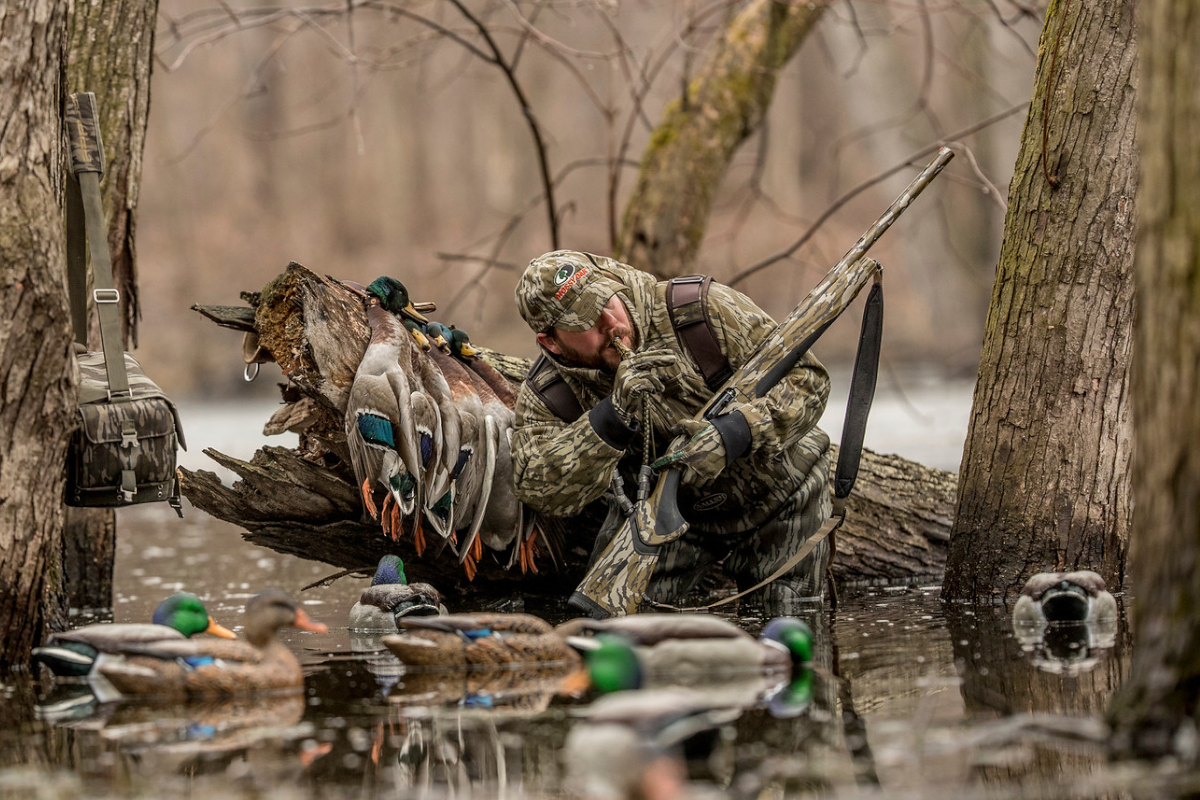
(690, 149)
(1163, 690)
(1044, 484)
(35, 331)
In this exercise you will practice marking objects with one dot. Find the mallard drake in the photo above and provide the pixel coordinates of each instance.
(394, 296)
(380, 431)
(191, 667)
(390, 597)
(465, 640)
(680, 643)
(74, 653)
(461, 348)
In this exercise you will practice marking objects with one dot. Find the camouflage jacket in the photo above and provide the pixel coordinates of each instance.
(560, 467)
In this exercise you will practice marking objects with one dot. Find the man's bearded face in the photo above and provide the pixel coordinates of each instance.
(593, 348)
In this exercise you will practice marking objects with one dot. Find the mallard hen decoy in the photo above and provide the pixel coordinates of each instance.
(74, 653)
(465, 640)
(182, 668)
(681, 643)
(390, 597)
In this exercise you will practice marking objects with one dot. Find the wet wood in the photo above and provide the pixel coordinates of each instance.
(303, 501)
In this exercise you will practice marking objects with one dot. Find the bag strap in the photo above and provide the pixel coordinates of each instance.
(687, 305)
(858, 406)
(84, 204)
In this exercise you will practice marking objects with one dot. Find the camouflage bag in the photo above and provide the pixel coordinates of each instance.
(124, 450)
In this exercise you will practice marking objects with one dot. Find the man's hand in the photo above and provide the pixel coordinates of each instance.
(701, 448)
(640, 373)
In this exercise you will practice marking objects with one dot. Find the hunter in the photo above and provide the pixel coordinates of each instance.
(755, 484)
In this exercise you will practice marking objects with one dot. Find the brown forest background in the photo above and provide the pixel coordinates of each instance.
(268, 144)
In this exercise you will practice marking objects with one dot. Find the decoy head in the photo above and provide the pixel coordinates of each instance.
(460, 344)
(439, 335)
(389, 571)
(394, 297)
(185, 613)
(613, 664)
(270, 610)
(792, 635)
(794, 697)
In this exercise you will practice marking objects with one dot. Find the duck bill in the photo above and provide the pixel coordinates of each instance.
(412, 313)
(467, 350)
(306, 623)
(217, 629)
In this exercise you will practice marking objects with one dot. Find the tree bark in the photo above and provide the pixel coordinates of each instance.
(304, 501)
(690, 149)
(110, 52)
(1161, 693)
(1045, 478)
(35, 334)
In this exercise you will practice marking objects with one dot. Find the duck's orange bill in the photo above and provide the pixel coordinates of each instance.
(305, 623)
(217, 629)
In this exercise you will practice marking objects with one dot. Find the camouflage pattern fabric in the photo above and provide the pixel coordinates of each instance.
(122, 444)
(561, 468)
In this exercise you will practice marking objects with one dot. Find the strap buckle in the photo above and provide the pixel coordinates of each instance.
(105, 296)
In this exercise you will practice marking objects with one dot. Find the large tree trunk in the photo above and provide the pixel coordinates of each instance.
(690, 149)
(305, 502)
(1164, 687)
(110, 52)
(1044, 484)
(35, 335)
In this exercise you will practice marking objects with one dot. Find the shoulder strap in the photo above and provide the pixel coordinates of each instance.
(548, 385)
(687, 304)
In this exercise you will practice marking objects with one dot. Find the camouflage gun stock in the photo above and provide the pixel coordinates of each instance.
(617, 580)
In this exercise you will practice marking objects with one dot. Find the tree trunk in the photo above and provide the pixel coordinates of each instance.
(111, 48)
(690, 149)
(1162, 691)
(304, 502)
(1045, 483)
(35, 335)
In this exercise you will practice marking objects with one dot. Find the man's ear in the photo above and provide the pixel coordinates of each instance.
(550, 343)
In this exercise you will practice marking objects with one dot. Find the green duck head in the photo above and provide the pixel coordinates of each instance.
(185, 613)
(793, 635)
(389, 571)
(393, 296)
(439, 335)
(794, 697)
(613, 664)
(460, 345)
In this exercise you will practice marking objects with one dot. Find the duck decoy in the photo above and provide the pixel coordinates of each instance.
(74, 653)
(390, 597)
(380, 431)
(683, 643)
(191, 667)
(1063, 618)
(467, 640)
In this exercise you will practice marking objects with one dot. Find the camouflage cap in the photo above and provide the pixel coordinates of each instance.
(565, 289)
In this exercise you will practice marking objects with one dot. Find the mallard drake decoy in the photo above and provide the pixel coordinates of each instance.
(390, 597)
(183, 668)
(465, 640)
(682, 643)
(1077, 596)
(74, 653)
(380, 432)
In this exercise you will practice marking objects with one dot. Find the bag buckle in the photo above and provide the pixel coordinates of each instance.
(129, 437)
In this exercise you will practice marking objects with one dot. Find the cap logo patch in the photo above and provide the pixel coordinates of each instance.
(572, 277)
(564, 272)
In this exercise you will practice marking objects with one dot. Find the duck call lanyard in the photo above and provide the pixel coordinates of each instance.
(858, 406)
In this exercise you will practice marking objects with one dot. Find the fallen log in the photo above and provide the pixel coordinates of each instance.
(304, 501)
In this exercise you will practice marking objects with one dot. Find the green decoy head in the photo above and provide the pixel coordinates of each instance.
(439, 335)
(393, 296)
(793, 635)
(613, 665)
(795, 696)
(185, 613)
(390, 571)
(460, 345)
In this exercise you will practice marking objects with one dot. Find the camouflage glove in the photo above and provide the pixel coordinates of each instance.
(640, 373)
(703, 449)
